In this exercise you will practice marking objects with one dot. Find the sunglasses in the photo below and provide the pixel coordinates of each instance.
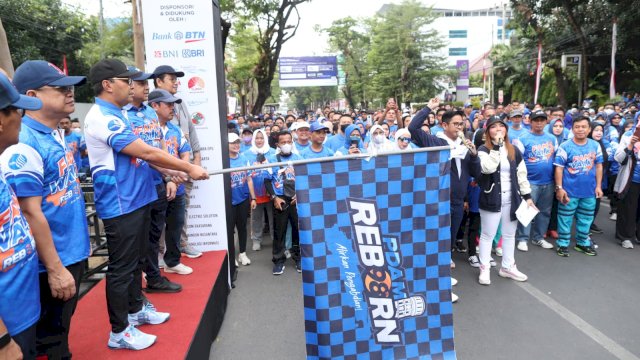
(127, 80)
(64, 89)
(404, 139)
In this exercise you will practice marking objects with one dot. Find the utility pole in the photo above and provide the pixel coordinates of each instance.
(138, 35)
(5, 54)
(101, 31)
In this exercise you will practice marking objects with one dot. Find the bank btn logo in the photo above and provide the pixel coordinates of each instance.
(385, 288)
(178, 35)
(17, 161)
(197, 118)
(196, 83)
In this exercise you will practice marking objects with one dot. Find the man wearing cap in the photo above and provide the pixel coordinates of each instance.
(166, 77)
(20, 308)
(145, 125)
(177, 145)
(538, 149)
(316, 149)
(302, 139)
(124, 189)
(515, 129)
(44, 175)
(254, 123)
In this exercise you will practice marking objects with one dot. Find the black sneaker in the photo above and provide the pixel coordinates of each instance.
(595, 229)
(587, 250)
(278, 269)
(459, 247)
(298, 266)
(162, 285)
(563, 251)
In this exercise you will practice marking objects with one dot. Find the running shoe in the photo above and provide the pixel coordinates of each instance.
(473, 261)
(627, 244)
(131, 339)
(278, 269)
(563, 251)
(243, 259)
(522, 246)
(512, 273)
(485, 275)
(587, 250)
(543, 244)
(148, 315)
(459, 247)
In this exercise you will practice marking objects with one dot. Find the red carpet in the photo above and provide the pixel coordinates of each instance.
(90, 324)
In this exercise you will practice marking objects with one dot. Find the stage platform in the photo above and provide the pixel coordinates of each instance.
(197, 313)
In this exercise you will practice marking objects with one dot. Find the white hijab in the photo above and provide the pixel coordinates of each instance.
(265, 147)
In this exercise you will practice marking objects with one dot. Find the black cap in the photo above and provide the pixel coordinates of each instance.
(167, 69)
(495, 119)
(161, 95)
(143, 75)
(538, 114)
(110, 68)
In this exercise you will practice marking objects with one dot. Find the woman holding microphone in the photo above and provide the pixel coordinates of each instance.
(503, 184)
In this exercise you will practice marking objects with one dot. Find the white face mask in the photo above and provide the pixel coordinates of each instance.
(77, 130)
(286, 148)
(609, 111)
(378, 139)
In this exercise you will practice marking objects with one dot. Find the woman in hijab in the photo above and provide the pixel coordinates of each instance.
(379, 141)
(403, 140)
(608, 151)
(352, 142)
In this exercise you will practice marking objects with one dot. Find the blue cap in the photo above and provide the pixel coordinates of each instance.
(467, 104)
(317, 126)
(143, 75)
(167, 69)
(161, 95)
(9, 96)
(34, 74)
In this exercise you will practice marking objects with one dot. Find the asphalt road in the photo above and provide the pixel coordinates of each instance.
(578, 307)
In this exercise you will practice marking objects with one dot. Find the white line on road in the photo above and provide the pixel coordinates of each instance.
(606, 342)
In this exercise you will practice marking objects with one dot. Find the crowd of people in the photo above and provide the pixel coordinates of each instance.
(142, 154)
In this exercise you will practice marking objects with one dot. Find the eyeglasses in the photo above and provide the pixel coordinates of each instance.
(457, 124)
(127, 80)
(404, 139)
(64, 89)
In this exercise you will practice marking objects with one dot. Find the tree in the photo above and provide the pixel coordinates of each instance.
(404, 60)
(309, 98)
(242, 59)
(272, 19)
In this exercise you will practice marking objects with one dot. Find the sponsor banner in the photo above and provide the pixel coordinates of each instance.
(463, 75)
(308, 71)
(375, 245)
(180, 34)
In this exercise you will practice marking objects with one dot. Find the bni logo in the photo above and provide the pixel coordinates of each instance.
(163, 54)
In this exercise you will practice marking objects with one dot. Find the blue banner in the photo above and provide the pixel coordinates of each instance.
(308, 71)
(375, 244)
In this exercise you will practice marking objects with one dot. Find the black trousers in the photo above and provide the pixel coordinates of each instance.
(158, 217)
(280, 219)
(52, 329)
(628, 225)
(474, 232)
(27, 342)
(239, 216)
(127, 239)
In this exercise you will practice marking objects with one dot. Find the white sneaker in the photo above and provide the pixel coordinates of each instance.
(512, 273)
(181, 269)
(256, 246)
(454, 298)
(244, 260)
(627, 244)
(543, 244)
(148, 315)
(190, 252)
(453, 265)
(473, 261)
(161, 263)
(492, 262)
(499, 251)
(613, 217)
(485, 275)
(522, 246)
(131, 339)
(454, 282)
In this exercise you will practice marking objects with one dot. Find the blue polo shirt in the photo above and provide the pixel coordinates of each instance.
(75, 144)
(42, 165)
(279, 174)
(122, 183)
(309, 153)
(258, 175)
(19, 286)
(146, 126)
(538, 152)
(239, 186)
(579, 163)
(177, 144)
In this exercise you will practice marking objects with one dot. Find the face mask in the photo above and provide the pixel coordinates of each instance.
(344, 128)
(247, 139)
(609, 111)
(77, 130)
(378, 139)
(286, 149)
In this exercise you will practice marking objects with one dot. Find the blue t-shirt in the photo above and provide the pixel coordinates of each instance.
(301, 147)
(309, 153)
(579, 163)
(41, 165)
(146, 126)
(177, 144)
(239, 186)
(258, 175)
(279, 174)
(538, 152)
(436, 129)
(514, 134)
(335, 142)
(75, 143)
(122, 183)
(20, 307)
(244, 147)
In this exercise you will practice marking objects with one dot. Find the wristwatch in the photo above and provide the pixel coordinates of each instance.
(5, 340)
(558, 187)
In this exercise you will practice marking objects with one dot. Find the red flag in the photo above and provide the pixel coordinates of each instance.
(538, 73)
(64, 65)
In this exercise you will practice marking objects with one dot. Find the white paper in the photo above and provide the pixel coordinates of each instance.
(526, 213)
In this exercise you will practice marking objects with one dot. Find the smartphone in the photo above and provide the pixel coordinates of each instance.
(354, 143)
(260, 158)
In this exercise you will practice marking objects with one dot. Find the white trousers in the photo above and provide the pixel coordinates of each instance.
(490, 222)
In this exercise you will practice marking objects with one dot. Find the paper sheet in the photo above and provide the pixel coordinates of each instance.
(526, 213)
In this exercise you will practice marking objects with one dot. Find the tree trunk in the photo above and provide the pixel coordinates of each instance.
(561, 86)
(226, 28)
(584, 45)
(5, 54)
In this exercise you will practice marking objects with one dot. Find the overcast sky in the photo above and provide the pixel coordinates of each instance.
(321, 12)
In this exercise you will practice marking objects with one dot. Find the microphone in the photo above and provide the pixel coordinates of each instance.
(465, 142)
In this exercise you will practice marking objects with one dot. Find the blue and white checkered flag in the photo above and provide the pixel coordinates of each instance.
(375, 243)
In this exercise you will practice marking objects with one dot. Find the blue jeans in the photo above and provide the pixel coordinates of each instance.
(175, 221)
(542, 196)
(583, 210)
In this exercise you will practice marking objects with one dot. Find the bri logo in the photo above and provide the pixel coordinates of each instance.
(17, 161)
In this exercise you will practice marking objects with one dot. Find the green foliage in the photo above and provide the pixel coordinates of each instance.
(309, 98)
(117, 42)
(241, 59)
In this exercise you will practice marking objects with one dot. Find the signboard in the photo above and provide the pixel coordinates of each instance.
(463, 75)
(181, 34)
(308, 71)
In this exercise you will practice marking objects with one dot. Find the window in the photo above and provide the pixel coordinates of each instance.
(457, 34)
(457, 51)
(508, 34)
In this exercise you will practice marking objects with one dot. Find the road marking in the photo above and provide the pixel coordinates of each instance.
(606, 342)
